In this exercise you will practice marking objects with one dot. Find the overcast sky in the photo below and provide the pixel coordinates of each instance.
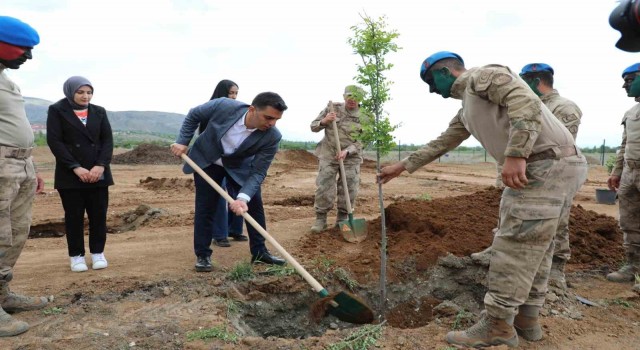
(168, 55)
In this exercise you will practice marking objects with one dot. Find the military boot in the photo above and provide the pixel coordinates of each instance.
(489, 331)
(556, 275)
(12, 302)
(526, 322)
(320, 224)
(10, 326)
(341, 217)
(627, 273)
(483, 257)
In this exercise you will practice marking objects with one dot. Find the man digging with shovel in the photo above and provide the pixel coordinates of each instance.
(347, 117)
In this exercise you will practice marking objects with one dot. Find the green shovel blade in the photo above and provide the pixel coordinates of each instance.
(353, 230)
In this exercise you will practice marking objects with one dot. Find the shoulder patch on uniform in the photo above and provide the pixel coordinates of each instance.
(501, 78)
(485, 75)
(570, 118)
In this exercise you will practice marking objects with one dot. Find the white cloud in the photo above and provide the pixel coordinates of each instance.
(168, 55)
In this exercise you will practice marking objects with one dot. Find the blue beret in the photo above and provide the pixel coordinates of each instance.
(15, 32)
(535, 68)
(631, 69)
(431, 60)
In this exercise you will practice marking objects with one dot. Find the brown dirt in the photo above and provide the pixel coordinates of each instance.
(421, 231)
(150, 297)
(297, 157)
(165, 184)
(146, 153)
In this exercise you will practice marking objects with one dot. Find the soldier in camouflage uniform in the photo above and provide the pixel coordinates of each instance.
(18, 179)
(542, 170)
(625, 178)
(539, 77)
(347, 117)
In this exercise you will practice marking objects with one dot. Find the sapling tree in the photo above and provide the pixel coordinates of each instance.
(372, 41)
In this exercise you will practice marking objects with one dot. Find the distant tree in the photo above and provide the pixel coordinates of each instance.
(372, 42)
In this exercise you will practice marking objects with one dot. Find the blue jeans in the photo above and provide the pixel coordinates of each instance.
(207, 207)
(226, 223)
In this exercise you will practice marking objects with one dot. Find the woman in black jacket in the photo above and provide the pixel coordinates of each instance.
(79, 136)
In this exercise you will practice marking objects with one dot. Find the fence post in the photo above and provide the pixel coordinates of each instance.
(399, 148)
(602, 153)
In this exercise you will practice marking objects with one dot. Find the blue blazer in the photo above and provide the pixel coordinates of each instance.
(248, 165)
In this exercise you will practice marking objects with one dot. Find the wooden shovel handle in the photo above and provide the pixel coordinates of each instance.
(342, 172)
(312, 281)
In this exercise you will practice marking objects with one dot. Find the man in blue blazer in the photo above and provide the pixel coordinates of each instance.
(239, 143)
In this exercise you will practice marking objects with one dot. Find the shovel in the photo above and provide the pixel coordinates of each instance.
(353, 230)
(343, 305)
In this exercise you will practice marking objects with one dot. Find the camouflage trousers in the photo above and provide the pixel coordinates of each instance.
(629, 207)
(523, 245)
(17, 190)
(562, 249)
(329, 182)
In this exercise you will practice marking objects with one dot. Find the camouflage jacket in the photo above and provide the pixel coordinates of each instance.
(630, 148)
(348, 123)
(500, 111)
(564, 109)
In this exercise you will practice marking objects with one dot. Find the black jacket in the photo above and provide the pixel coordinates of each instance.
(75, 145)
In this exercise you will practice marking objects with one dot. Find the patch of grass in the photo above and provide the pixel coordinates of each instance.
(217, 332)
(449, 348)
(461, 317)
(622, 303)
(344, 276)
(325, 262)
(281, 270)
(53, 311)
(362, 339)
(233, 307)
(637, 278)
(425, 197)
(241, 271)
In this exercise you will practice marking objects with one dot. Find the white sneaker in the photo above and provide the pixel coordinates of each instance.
(99, 261)
(78, 264)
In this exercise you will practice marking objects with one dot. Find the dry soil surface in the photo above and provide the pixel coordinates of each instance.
(150, 297)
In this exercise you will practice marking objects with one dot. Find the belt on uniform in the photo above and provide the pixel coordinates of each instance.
(15, 152)
(633, 164)
(566, 151)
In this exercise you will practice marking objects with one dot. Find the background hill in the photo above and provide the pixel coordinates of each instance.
(139, 122)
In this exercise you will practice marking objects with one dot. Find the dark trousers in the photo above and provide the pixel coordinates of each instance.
(207, 200)
(226, 223)
(95, 202)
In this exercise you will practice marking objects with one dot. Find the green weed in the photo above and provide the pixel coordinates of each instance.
(281, 270)
(233, 307)
(325, 262)
(362, 339)
(344, 276)
(461, 317)
(425, 197)
(622, 303)
(637, 278)
(217, 332)
(242, 271)
(53, 311)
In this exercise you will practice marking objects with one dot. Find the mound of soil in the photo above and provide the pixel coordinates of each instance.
(164, 184)
(296, 201)
(419, 232)
(146, 153)
(297, 157)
